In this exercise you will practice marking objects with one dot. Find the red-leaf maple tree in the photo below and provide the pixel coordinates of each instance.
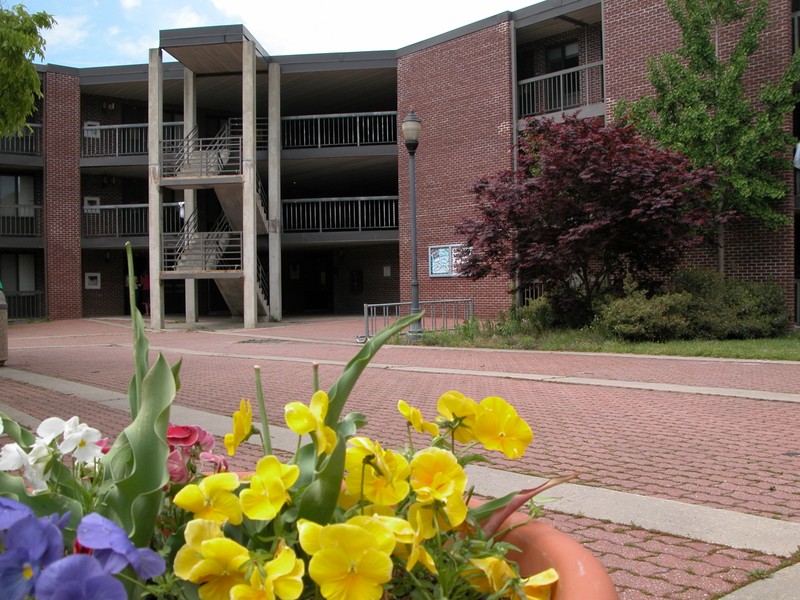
(588, 206)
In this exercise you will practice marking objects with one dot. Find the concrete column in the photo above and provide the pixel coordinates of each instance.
(155, 125)
(190, 196)
(249, 206)
(274, 191)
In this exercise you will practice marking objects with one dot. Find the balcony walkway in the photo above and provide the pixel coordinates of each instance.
(689, 480)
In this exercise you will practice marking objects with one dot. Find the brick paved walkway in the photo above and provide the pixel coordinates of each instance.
(707, 444)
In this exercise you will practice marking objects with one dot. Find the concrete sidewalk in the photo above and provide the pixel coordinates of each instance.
(689, 484)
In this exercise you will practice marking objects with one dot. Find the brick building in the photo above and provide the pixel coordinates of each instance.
(280, 184)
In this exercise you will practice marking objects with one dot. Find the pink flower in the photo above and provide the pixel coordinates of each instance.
(204, 439)
(181, 436)
(104, 445)
(178, 471)
(219, 463)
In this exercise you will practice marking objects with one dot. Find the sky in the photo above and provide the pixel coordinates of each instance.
(95, 33)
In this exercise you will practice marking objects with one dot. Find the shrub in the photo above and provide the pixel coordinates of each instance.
(639, 318)
(731, 309)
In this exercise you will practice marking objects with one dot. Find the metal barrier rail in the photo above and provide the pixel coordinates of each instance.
(571, 88)
(101, 141)
(205, 251)
(339, 214)
(797, 301)
(25, 141)
(118, 220)
(25, 305)
(200, 157)
(440, 315)
(21, 220)
(353, 129)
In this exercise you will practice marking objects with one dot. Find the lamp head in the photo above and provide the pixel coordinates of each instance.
(412, 125)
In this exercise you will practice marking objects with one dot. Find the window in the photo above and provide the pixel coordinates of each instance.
(561, 57)
(16, 196)
(17, 272)
(563, 91)
(445, 261)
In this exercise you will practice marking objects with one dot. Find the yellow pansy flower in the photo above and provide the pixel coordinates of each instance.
(499, 427)
(304, 419)
(490, 575)
(381, 475)
(283, 579)
(212, 498)
(437, 477)
(454, 405)
(268, 488)
(539, 586)
(242, 425)
(350, 562)
(414, 417)
(213, 561)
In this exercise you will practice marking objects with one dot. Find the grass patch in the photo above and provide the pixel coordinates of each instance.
(585, 340)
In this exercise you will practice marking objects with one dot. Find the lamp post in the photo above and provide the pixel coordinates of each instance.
(411, 127)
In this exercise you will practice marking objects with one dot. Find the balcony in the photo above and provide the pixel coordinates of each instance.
(113, 141)
(319, 215)
(27, 141)
(565, 90)
(127, 220)
(25, 305)
(21, 220)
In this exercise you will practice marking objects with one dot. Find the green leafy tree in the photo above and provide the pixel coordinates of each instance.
(702, 109)
(21, 43)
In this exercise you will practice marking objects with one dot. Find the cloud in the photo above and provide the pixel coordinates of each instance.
(129, 4)
(185, 17)
(69, 32)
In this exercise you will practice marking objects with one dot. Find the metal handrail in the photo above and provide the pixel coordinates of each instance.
(263, 281)
(120, 220)
(363, 213)
(21, 220)
(570, 88)
(202, 157)
(27, 140)
(101, 141)
(439, 315)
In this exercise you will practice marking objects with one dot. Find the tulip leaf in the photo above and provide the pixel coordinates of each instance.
(137, 463)
(20, 435)
(42, 504)
(319, 498)
(341, 389)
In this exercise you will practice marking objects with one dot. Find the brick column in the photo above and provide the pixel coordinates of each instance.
(62, 196)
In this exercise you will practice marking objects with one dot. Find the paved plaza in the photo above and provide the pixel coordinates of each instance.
(689, 469)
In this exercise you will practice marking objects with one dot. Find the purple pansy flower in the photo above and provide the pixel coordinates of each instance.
(31, 544)
(114, 551)
(78, 577)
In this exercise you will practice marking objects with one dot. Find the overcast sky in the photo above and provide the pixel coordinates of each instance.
(92, 33)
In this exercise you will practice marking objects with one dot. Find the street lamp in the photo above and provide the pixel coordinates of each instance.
(411, 127)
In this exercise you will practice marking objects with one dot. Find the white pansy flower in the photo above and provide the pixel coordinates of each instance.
(80, 440)
(13, 458)
(51, 428)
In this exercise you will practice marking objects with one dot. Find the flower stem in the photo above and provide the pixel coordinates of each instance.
(266, 441)
(315, 381)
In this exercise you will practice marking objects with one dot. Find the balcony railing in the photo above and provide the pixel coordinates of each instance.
(202, 157)
(340, 214)
(103, 141)
(357, 129)
(204, 251)
(565, 90)
(123, 220)
(25, 305)
(21, 220)
(26, 141)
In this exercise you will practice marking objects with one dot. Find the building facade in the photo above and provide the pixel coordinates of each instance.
(263, 186)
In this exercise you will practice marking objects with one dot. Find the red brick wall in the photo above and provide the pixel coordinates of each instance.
(62, 196)
(461, 89)
(376, 288)
(110, 299)
(636, 29)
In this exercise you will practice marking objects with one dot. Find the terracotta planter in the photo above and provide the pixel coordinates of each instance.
(580, 574)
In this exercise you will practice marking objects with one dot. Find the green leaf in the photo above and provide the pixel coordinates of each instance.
(137, 463)
(20, 435)
(485, 510)
(340, 390)
(318, 501)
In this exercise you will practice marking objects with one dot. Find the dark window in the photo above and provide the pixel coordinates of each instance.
(563, 56)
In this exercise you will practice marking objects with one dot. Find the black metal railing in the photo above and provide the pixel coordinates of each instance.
(339, 214)
(21, 220)
(28, 141)
(25, 305)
